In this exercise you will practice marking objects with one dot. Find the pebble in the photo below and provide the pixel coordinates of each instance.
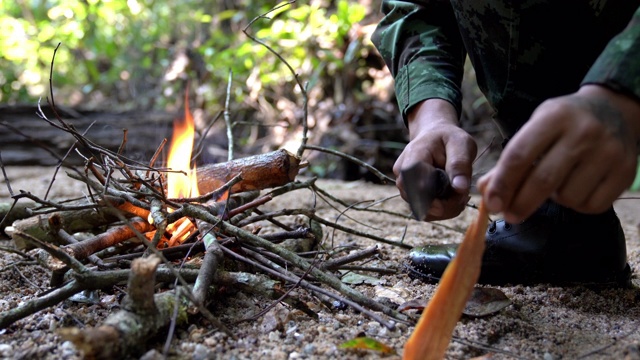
(68, 349)
(372, 328)
(274, 335)
(5, 350)
(201, 352)
(309, 349)
(278, 354)
(152, 355)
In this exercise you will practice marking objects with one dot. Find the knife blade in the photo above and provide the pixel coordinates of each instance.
(424, 183)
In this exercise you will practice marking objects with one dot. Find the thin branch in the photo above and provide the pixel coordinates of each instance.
(384, 178)
(227, 118)
(303, 88)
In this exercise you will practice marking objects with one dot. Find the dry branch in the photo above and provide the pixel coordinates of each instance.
(126, 332)
(44, 226)
(83, 249)
(258, 172)
(320, 275)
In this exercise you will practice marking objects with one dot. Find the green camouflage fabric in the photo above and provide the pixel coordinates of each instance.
(523, 52)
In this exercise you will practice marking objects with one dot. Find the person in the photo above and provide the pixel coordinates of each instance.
(563, 79)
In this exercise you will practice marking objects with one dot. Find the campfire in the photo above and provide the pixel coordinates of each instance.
(147, 220)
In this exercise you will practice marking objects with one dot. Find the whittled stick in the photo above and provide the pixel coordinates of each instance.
(432, 334)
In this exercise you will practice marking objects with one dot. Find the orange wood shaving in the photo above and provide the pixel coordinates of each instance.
(434, 330)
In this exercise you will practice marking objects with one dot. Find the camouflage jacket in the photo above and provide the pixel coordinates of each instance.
(523, 52)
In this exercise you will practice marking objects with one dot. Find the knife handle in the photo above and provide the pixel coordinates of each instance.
(443, 185)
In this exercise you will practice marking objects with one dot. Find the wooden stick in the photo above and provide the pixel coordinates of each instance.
(71, 221)
(258, 172)
(432, 334)
(127, 331)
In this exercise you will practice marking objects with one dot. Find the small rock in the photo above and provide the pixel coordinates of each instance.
(372, 328)
(309, 349)
(211, 341)
(68, 349)
(5, 350)
(152, 355)
(278, 354)
(201, 352)
(274, 335)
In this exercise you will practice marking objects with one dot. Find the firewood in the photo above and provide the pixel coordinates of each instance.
(10, 213)
(83, 249)
(72, 221)
(434, 330)
(127, 331)
(259, 172)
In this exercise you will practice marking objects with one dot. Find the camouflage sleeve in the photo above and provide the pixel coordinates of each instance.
(618, 67)
(421, 44)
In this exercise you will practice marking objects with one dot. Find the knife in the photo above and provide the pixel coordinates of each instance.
(424, 183)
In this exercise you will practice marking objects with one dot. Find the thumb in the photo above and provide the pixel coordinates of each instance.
(459, 164)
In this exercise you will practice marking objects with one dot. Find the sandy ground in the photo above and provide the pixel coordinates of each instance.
(542, 322)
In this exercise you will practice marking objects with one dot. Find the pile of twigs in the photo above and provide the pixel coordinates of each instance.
(134, 236)
(132, 226)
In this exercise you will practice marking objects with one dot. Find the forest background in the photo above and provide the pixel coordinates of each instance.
(142, 55)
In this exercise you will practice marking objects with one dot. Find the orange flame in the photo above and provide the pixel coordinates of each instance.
(182, 182)
(179, 185)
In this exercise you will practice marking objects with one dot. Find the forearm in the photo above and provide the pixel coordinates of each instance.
(618, 67)
(423, 49)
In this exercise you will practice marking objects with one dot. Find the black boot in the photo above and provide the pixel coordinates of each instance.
(555, 245)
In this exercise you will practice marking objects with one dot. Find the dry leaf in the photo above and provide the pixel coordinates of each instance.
(486, 301)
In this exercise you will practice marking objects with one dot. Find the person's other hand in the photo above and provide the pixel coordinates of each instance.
(435, 138)
(580, 150)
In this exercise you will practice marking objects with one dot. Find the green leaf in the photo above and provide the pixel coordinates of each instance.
(367, 343)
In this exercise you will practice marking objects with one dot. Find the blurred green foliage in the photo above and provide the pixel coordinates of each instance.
(127, 52)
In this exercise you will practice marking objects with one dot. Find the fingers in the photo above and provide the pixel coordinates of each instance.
(564, 153)
(441, 209)
(448, 208)
(522, 161)
(594, 185)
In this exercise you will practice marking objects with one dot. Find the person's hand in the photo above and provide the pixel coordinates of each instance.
(435, 138)
(580, 150)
